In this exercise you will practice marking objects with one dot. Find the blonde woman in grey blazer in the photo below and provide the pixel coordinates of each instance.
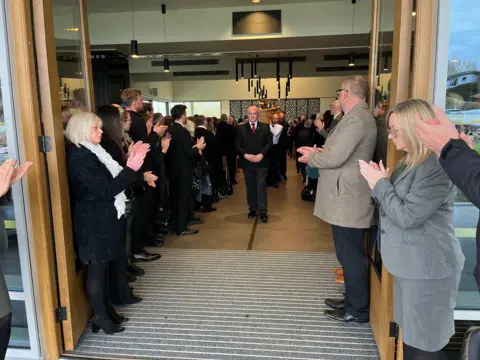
(417, 241)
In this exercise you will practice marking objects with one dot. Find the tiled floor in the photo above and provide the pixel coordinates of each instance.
(292, 225)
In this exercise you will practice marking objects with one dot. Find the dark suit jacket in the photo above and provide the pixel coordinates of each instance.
(462, 166)
(211, 151)
(226, 138)
(180, 159)
(249, 143)
(138, 132)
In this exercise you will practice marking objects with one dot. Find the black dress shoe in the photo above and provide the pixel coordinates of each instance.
(264, 218)
(188, 232)
(132, 300)
(276, 185)
(209, 210)
(252, 214)
(131, 278)
(234, 182)
(135, 270)
(335, 303)
(285, 177)
(343, 316)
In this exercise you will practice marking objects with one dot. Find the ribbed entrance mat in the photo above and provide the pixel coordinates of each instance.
(202, 304)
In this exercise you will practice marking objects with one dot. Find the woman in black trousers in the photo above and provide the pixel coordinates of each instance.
(97, 185)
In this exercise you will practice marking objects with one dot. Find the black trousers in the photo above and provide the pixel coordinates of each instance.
(142, 227)
(232, 166)
(5, 330)
(350, 249)
(256, 181)
(411, 353)
(181, 203)
(274, 168)
(282, 161)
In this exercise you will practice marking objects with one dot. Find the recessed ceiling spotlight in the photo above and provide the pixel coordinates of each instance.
(216, 54)
(197, 54)
(256, 1)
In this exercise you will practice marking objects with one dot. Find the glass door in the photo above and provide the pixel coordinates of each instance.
(14, 237)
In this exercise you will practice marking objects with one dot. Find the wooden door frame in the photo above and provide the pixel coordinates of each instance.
(38, 219)
(381, 289)
(71, 283)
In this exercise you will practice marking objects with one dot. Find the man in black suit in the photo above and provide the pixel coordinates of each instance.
(143, 231)
(212, 156)
(180, 163)
(226, 140)
(253, 142)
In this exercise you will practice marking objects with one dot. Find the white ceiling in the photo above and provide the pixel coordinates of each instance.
(96, 6)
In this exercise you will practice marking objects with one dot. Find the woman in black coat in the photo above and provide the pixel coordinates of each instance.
(97, 185)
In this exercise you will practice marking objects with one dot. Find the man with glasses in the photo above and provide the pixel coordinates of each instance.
(343, 196)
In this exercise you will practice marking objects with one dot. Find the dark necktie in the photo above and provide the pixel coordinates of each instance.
(253, 128)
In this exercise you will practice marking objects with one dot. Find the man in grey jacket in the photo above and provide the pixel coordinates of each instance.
(343, 196)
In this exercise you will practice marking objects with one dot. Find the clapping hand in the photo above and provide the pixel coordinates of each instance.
(20, 171)
(160, 129)
(305, 151)
(201, 144)
(137, 155)
(150, 125)
(150, 178)
(166, 143)
(373, 172)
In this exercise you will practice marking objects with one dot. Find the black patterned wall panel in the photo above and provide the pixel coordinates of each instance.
(302, 107)
(236, 109)
(313, 106)
(291, 109)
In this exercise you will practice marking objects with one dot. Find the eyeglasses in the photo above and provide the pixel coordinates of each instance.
(393, 131)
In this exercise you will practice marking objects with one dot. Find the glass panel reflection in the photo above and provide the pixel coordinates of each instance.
(463, 109)
(68, 39)
(19, 337)
(9, 255)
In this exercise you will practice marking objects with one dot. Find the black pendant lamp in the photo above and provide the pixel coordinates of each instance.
(351, 59)
(166, 62)
(290, 69)
(236, 73)
(241, 65)
(133, 43)
(351, 55)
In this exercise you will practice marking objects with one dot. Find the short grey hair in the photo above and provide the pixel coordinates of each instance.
(357, 85)
(79, 127)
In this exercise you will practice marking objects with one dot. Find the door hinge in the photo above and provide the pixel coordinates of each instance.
(61, 314)
(44, 144)
(393, 330)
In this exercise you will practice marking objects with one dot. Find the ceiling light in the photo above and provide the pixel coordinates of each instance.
(197, 54)
(166, 65)
(414, 13)
(71, 29)
(216, 54)
(256, 1)
(134, 48)
(351, 59)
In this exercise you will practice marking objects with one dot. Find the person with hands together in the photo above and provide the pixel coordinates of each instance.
(417, 237)
(254, 143)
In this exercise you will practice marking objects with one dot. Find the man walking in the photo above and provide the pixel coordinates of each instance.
(344, 197)
(253, 143)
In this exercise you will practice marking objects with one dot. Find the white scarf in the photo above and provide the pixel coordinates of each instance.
(114, 168)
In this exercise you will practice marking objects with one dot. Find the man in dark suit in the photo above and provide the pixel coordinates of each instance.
(180, 164)
(212, 156)
(143, 232)
(253, 142)
(226, 140)
(283, 145)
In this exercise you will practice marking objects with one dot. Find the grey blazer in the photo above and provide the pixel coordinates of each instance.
(416, 223)
(343, 195)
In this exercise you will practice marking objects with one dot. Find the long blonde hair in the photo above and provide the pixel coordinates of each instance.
(406, 112)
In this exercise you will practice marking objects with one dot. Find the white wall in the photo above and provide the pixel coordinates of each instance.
(165, 89)
(305, 19)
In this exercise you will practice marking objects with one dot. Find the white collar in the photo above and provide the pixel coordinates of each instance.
(179, 122)
(202, 126)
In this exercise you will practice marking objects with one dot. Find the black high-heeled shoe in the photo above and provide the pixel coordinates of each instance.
(116, 318)
(108, 327)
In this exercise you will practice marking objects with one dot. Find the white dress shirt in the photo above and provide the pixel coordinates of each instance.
(276, 130)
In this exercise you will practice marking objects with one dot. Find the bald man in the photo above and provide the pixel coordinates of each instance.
(254, 142)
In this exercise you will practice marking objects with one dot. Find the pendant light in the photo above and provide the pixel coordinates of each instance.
(241, 65)
(351, 55)
(133, 43)
(290, 69)
(236, 73)
(278, 71)
(166, 62)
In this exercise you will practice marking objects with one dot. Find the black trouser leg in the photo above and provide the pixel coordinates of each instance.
(142, 221)
(182, 205)
(262, 190)
(96, 287)
(282, 159)
(350, 248)
(5, 331)
(251, 183)
(129, 249)
(411, 353)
